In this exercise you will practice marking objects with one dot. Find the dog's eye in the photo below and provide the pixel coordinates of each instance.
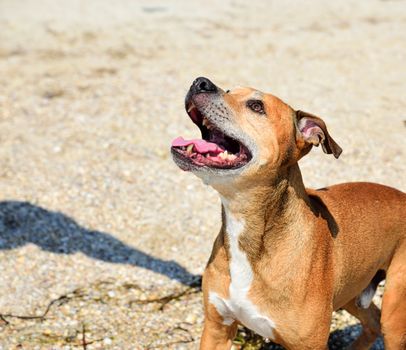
(256, 106)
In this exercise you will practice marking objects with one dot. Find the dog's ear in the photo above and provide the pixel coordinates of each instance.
(313, 131)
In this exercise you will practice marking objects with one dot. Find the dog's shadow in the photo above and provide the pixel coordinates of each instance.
(342, 338)
(22, 223)
(338, 340)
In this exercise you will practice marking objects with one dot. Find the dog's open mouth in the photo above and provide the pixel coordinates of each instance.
(215, 149)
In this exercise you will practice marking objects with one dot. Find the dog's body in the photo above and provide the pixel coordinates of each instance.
(286, 257)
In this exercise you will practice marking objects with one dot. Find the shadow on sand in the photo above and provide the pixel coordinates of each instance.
(338, 340)
(341, 339)
(23, 222)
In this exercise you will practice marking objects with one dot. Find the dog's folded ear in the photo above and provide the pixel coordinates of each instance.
(313, 131)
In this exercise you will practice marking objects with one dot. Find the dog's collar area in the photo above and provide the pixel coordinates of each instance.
(214, 150)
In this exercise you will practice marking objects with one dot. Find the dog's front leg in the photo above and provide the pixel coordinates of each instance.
(217, 336)
(219, 326)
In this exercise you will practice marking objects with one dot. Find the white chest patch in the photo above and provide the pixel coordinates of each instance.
(239, 306)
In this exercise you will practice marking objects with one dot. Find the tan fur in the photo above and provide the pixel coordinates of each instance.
(311, 251)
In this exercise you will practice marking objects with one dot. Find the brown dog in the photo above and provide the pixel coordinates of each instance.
(287, 257)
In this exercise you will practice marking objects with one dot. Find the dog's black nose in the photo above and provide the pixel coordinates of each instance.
(203, 85)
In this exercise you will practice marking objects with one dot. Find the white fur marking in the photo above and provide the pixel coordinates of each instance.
(365, 298)
(239, 306)
(222, 308)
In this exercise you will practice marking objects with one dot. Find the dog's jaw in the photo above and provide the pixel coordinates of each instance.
(217, 113)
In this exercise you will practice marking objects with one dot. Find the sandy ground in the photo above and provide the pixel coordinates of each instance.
(95, 219)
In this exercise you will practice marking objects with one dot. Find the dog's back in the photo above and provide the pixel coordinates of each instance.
(367, 223)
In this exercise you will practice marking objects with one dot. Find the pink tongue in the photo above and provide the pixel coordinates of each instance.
(200, 146)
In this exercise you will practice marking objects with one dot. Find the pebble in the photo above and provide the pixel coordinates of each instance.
(107, 341)
(191, 318)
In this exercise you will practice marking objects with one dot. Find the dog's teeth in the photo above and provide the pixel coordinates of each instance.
(223, 155)
(189, 149)
(227, 156)
(207, 124)
(190, 107)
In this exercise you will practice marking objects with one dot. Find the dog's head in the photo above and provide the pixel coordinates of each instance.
(247, 135)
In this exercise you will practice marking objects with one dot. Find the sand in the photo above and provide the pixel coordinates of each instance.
(94, 215)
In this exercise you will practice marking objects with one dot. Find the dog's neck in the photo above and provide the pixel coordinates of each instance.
(273, 209)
